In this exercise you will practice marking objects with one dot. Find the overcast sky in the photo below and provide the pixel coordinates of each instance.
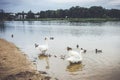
(38, 5)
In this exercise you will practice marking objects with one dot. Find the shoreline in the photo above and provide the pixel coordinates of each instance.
(72, 19)
(15, 66)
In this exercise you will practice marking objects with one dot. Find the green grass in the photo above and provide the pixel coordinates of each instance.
(92, 19)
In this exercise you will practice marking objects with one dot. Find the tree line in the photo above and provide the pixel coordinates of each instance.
(73, 12)
(5, 16)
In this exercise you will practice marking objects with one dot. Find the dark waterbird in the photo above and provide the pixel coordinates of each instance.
(51, 38)
(98, 51)
(77, 46)
(55, 56)
(12, 35)
(62, 57)
(83, 50)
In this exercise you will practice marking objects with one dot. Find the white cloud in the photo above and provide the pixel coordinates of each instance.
(37, 5)
(114, 2)
(72, 1)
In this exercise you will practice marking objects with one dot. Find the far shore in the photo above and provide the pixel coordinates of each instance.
(15, 66)
(72, 19)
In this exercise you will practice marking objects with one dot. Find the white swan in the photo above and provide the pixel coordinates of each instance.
(42, 48)
(74, 57)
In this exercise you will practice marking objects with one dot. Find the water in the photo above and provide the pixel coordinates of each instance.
(104, 36)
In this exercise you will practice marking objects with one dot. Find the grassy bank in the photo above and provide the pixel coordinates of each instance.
(72, 19)
(92, 19)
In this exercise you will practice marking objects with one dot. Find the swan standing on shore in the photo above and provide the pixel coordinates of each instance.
(74, 57)
(42, 48)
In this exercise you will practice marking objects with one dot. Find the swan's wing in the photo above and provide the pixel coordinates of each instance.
(73, 53)
(74, 59)
(81, 51)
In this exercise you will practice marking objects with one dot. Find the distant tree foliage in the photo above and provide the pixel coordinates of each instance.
(81, 12)
(2, 15)
(30, 15)
(73, 12)
(5, 16)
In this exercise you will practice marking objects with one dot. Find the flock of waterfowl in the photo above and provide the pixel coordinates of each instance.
(73, 56)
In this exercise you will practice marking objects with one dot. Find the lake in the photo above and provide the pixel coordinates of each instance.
(88, 35)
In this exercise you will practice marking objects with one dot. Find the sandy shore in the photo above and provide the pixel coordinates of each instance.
(14, 65)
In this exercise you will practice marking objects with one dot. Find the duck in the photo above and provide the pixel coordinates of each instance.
(51, 38)
(74, 56)
(49, 55)
(77, 46)
(55, 56)
(42, 48)
(83, 50)
(12, 35)
(98, 51)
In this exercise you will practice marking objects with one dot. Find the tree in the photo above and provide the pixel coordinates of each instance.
(42, 14)
(30, 15)
(60, 13)
(114, 13)
(2, 14)
(96, 12)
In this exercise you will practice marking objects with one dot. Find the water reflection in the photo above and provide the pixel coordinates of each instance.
(52, 28)
(46, 59)
(2, 27)
(31, 22)
(75, 67)
(42, 56)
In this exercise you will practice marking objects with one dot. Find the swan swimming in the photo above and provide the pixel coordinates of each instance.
(42, 48)
(74, 56)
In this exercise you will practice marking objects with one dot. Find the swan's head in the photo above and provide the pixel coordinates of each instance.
(68, 48)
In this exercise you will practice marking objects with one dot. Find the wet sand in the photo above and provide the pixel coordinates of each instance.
(14, 65)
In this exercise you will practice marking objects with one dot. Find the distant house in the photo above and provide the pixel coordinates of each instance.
(12, 14)
(37, 16)
(21, 16)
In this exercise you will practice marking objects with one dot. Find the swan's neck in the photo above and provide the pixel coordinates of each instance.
(80, 53)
